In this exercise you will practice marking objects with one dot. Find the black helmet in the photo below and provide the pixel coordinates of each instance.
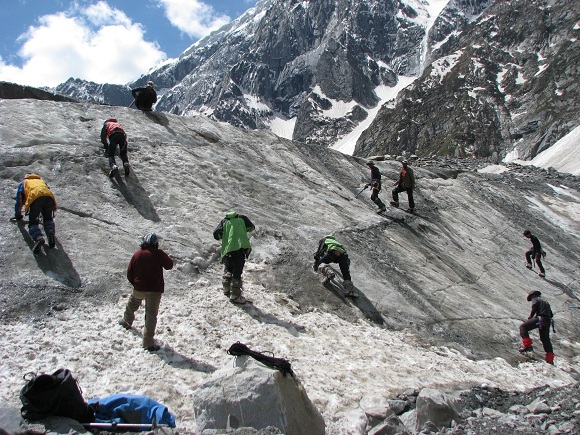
(533, 294)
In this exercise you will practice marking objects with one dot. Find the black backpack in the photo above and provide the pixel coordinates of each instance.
(57, 394)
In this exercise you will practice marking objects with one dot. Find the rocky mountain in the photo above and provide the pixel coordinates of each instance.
(506, 86)
(118, 95)
(315, 67)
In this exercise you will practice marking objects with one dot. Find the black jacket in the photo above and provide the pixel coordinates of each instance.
(145, 98)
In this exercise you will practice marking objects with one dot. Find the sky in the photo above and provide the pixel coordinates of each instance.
(44, 43)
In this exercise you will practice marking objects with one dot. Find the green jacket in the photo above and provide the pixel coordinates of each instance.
(233, 232)
(328, 244)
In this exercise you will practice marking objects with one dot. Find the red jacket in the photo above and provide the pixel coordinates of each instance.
(145, 270)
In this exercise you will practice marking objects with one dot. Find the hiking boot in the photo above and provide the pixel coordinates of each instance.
(126, 166)
(124, 324)
(394, 204)
(410, 210)
(528, 265)
(51, 240)
(527, 349)
(240, 300)
(114, 171)
(382, 209)
(153, 348)
(37, 245)
(542, 275)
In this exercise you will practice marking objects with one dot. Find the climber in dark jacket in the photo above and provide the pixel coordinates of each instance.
(145, 98)
(375, 185)
(540, 317)
(535, 252)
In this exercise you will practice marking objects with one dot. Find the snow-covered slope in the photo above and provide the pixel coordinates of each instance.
(563, 156)
(441, 293)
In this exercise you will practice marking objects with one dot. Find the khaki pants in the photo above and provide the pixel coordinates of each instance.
(152, 301)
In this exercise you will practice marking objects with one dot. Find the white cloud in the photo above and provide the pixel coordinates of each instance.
(101, 14)
(97, 43)
(195, 18)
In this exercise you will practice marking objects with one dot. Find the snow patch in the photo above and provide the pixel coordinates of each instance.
(387, 94)
(443, 65)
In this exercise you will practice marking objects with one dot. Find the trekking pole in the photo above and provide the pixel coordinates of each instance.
(131, 105)
(124, 425)
(364, 188)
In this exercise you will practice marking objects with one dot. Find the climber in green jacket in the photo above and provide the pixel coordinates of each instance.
(233, 232)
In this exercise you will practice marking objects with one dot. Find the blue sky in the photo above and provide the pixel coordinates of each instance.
(44, 42)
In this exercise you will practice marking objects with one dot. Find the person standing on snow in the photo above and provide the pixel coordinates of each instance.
(36, 197)
(113, 135)
(375, 185)
(540, 317)
(331, 251)
(233, 232)
(145, 273)
(145, 98)
(406, 182)
(536, 252)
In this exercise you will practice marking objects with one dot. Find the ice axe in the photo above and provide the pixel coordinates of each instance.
(363, 189)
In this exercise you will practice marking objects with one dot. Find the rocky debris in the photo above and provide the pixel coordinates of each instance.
(480, 410)
(451, 167)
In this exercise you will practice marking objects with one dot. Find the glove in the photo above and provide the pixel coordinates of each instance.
(18, 217)
(367, 185)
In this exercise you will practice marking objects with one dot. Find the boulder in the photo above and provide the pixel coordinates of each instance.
(392, 426)
(436, 407)
(252, 395)
(10, 419)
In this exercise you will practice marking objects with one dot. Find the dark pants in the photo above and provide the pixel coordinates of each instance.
(533, 323)
(234, 263)
(117, 139)
(45, 206)
(375, 195)
(342, 260)
(537, 256)
(400, 188)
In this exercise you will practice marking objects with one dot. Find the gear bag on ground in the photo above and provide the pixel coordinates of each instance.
(54, 395)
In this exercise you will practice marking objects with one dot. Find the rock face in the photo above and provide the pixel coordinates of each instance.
(317, 63)
(10, 91)
(118, 95)
(251, 395)
(507, 84)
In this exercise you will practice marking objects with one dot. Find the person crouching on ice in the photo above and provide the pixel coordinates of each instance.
(541, 318)
(331, 251)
